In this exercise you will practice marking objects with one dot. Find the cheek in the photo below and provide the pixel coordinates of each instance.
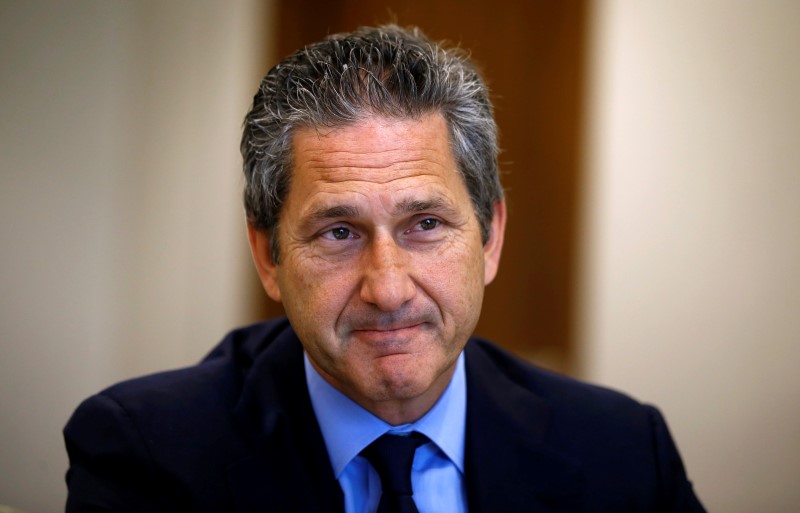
(455, 281)
(314, 291)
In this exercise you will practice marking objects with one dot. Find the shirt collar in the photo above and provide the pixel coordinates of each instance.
(348, 428)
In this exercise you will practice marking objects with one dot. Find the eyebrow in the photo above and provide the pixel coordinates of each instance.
(321, 214)
(433, 204)
(407, 206)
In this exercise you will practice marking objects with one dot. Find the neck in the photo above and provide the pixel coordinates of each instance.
(402, 412)
(392, 406)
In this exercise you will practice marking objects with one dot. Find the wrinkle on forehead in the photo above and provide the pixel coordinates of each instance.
(388, 167)
(376, 143)
(353, 177)
(404, 166)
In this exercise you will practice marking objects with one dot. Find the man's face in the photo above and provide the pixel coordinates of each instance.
(382, 268)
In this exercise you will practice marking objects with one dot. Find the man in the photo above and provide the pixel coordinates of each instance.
(376, 216)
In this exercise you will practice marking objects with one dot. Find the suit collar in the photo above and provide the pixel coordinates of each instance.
(509, 465)
(289, 470)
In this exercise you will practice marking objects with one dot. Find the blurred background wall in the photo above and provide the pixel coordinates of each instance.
(121, 237)
(653, 226)
(691, 265)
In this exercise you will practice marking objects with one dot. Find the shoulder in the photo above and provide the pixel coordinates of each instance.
(551, 386)
(576, 410)
(168, 432)
(216, 380)
(622, 448)
(158, 413)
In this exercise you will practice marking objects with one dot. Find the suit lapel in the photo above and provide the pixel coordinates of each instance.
(289, 470)
(509, 466)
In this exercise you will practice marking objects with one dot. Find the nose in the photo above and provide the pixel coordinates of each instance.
(386, 281)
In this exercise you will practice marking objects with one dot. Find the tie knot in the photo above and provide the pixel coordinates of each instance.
(392, 456)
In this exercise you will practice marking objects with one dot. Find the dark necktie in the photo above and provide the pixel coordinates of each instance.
(391, 456)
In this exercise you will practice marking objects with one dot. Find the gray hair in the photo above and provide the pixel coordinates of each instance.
(387, 71)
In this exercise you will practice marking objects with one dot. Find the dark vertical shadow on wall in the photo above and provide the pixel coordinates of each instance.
(532, 54)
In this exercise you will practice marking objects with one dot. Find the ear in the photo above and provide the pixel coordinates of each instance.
(494, 246)
(262, 257)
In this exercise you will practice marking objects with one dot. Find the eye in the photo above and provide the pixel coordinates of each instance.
(334, 233)
(429, 223)
(340, 233)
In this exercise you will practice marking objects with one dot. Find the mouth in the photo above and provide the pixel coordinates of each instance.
(387, 329)
(392, 338)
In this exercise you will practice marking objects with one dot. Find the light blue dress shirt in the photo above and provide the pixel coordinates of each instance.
(437, 474)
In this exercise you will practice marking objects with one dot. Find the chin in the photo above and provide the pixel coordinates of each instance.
(402, 387)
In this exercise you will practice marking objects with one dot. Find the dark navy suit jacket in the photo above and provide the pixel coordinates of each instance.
(237, 433)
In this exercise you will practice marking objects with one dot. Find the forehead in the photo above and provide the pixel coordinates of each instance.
(375, 152)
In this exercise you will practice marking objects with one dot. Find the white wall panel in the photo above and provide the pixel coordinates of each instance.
(691, 272)
(122, 245)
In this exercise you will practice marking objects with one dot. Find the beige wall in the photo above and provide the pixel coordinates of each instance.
(121, 237)
(691, 275)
